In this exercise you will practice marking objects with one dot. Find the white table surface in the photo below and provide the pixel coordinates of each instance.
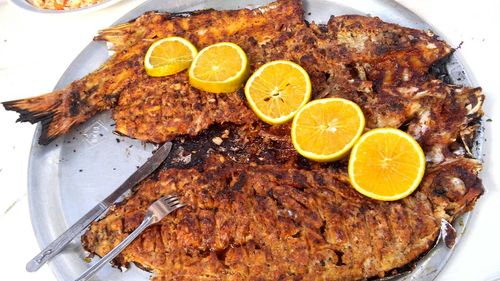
(36, 49)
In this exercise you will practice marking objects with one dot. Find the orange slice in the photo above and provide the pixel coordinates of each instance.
(326, 129)
(219, 68)
(386, 164)
(168, 56)
(277, 90)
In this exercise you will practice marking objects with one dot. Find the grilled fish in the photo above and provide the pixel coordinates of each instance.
(258, 211)
(158, 109)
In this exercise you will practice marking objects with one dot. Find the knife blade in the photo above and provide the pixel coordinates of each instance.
(64, 239)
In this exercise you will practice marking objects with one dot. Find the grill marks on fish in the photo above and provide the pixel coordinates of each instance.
(124, 69)
(270, 225)
(384, 53)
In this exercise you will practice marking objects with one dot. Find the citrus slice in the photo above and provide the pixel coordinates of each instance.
(277, 90)
(386, 164)
(219, 68)
(168, 56)
(326, 129)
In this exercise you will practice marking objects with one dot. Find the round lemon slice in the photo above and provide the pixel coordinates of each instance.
(326, 129)
(386, 164)
(219, 68)
(168, 56)
(277, 90)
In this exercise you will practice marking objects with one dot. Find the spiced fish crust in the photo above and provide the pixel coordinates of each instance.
(258, 211)
(357, 53)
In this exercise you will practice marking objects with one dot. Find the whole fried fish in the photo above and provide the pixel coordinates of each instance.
(158, 109)
(258, 211)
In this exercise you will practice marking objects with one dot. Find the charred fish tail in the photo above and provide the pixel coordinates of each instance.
(47, 109)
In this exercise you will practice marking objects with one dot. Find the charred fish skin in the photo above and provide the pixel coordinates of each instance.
(242, 217)
(276, 31)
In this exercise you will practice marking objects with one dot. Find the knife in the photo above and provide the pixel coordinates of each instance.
(57, 245)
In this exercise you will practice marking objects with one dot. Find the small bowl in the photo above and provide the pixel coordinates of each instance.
(25, 5)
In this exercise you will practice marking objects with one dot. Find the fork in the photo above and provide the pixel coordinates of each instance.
(155, 213)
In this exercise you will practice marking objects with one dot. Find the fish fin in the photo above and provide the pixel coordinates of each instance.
(47, 109)
(116, 35)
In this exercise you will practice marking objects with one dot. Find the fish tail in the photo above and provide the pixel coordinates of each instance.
(47, 109)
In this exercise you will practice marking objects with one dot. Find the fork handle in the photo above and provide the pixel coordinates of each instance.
(116, 250)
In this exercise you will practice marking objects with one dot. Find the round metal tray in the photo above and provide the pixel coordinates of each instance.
(76, 171)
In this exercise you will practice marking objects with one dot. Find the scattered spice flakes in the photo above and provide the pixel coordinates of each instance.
(81, 170)
(74, 150)
(309, 13)
(488, 120)
(130, 146)
(101, 135)
(137, 167)
(117, 140)
(114, 169)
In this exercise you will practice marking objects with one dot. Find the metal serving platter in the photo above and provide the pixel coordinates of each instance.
(76, 171)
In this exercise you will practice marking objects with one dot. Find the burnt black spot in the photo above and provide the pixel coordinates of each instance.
(323, 28)
(381, 49)
(74, 107)
(303, 163)
(439, 70)
(299, 179)
(319, 179)
(242, 178)
(339, 254)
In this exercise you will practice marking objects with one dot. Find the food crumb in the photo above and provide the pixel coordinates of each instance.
(488, 120)
(101, 135)
(137, 167)
(114, 169)
(81, 170)
(217, 140)
(117, 140)
(74, 150)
